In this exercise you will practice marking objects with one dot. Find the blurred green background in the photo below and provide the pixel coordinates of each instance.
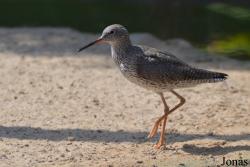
(215, 26)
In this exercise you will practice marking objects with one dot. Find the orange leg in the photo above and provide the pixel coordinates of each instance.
(162, 141)
(163, 119)
(158, 122)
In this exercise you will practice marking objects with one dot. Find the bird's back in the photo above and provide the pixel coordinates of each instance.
(157, 70)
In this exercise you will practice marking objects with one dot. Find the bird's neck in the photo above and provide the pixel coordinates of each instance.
(119, 50)
(122, 45)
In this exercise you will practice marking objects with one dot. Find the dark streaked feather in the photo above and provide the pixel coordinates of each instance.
(165, 67)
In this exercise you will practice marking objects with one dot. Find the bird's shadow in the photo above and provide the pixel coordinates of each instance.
(215, 150)
(31, 133)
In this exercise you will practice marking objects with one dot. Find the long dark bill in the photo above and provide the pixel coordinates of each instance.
(90, 44)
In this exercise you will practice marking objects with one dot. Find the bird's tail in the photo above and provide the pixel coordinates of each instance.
(217, 77)
(205, 76)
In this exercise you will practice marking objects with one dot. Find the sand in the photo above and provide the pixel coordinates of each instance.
(59, 108)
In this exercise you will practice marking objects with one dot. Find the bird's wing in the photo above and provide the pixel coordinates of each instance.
(153, 54)
(158, 65)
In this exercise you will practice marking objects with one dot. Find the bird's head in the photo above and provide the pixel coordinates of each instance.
(112, 34)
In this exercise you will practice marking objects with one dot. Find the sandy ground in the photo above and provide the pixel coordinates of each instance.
(62, 109)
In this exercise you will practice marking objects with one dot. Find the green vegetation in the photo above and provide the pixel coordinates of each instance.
(208, 25)
(231, 11)
(237, 46)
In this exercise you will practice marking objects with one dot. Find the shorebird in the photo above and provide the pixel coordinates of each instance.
(154, 70)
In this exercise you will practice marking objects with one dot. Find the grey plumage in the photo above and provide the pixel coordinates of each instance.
(159, 71)
(154, 70)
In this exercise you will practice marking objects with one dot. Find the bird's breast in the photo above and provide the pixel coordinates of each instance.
(132, 70)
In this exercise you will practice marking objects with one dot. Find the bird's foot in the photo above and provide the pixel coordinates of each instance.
(160, 145)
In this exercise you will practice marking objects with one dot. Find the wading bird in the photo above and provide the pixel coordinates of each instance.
(154, 70)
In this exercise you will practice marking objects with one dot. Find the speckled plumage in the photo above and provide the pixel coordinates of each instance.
(159, 71)
(154, 70)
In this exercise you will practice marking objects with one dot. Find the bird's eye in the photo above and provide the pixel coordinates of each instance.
(111, 32)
